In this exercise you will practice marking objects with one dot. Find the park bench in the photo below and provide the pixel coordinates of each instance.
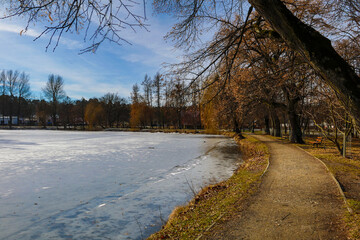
(317, 142)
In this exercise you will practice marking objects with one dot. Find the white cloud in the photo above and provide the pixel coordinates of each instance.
(155, 49)
(86, 89)
(19, 29)
(12, 28)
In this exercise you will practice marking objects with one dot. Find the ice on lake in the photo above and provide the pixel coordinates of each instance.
(102, 185)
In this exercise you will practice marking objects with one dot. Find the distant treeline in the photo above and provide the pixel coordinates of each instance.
(162, 104)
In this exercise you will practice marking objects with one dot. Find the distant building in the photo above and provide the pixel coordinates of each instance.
(23, 121)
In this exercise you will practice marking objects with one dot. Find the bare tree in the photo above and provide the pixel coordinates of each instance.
(54, 92)
(135, 95)
(109, 101)
(12, 78)
(23, 91)
(147, 87)
(108, 18)
(157, 82)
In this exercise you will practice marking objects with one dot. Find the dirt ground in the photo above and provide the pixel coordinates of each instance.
(298, 199)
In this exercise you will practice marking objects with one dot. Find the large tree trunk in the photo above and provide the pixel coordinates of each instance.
(267, 125)
(296, 133)
(275, 122)
(236, 126)
(317, 50)
(294, 119)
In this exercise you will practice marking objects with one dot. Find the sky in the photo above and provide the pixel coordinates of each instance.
(112, 68)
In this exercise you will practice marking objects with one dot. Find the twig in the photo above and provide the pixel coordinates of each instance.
(161, 217)
(138, 223)
(191, 186)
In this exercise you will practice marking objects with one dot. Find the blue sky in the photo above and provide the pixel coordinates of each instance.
(112, 68)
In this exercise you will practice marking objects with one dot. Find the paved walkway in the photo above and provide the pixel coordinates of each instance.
(298, 199)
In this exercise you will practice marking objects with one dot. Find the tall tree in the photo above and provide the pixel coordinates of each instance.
(157, 82)
(148, 97)
(109, 101)
(12, 78)
(54, 92)
(23, 92)
(148, 91)
(138, 108)
(94, 114)
(3, 93)
(66, 112)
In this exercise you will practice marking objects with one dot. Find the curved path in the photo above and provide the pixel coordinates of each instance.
(298, 199)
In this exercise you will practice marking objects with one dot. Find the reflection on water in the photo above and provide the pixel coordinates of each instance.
(76, 185)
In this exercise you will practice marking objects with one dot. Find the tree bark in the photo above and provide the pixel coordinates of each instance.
(267, 125)
(18, 112)
(277, 126)
(294, 119)
(236, 126)
(11, 106)
(317, 50)
(296, 133)
(275, 122)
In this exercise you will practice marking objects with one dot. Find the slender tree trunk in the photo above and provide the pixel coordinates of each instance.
(54, 114)
(3, 109)
(18, 112)
(179, 119)
(344, 145)
(317, 50)
(277, 126)
(306, 126)
(285, 122)
(11, 111)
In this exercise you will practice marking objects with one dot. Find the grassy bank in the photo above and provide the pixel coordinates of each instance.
(220, 201)
(347, 173)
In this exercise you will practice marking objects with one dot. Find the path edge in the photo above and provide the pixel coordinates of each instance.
(333, 177)
(268, 162)
(261, 177)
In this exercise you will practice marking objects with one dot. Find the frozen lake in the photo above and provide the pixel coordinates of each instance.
(102, 185)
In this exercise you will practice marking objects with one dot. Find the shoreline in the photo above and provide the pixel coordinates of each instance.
(151, 130)
(218, 202)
